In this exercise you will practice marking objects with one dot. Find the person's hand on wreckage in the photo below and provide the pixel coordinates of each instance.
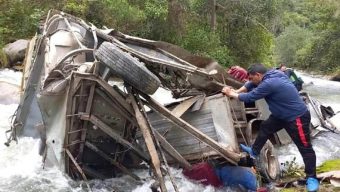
(230, 92)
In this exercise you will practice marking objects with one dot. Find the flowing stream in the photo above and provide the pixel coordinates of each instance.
(21, 166)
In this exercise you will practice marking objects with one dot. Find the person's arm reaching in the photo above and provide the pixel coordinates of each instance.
(230, 92)
(258, 93)
(243, 89)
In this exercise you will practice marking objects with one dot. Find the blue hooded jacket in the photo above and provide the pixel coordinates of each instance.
(279, 92)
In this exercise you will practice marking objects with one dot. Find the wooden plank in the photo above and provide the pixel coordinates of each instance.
(87, 111)
(142, 110)
(228, 154)
(205, 155)
(76, 164)
(112, 161)
(172, 151)
(180, 109)
(90, 99)
(78, 168)
(70, 110)
(108, 130)
(145, 129)
(27, 63)
(77, 106)
(197, 106)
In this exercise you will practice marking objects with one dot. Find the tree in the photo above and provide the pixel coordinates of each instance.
(175, 17)
(290, 44)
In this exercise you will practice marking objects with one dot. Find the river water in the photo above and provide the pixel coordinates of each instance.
(326, 144)
(21, 168)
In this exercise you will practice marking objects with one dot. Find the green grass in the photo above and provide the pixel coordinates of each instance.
(330, 165)
(288, 190)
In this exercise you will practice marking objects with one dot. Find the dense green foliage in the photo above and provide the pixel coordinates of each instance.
(291, 45)
(310, 39)
(300, 33)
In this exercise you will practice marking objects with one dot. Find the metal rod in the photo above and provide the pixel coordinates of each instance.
(53, 19)
(72, 32)
(71, 53)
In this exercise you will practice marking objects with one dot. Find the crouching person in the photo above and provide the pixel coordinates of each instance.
(288, 111)
(297, 81)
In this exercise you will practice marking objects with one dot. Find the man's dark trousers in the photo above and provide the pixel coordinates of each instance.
(298, 130)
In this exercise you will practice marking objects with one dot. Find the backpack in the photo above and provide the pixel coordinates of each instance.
(298, 83)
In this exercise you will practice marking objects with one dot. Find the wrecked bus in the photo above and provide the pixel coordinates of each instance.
(91, 127)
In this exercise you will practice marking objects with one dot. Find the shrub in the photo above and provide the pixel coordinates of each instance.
(202, 41)
(292, 44)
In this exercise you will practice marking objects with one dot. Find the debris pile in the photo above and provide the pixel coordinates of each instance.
(92, 128)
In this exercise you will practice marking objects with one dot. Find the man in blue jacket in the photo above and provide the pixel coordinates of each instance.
(288, 111)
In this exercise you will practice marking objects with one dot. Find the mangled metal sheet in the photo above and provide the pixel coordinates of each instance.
(53, 109)
(211, 119)
(221, 112)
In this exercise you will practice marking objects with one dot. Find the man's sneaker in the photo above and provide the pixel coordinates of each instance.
(248, 150)
(312, 184)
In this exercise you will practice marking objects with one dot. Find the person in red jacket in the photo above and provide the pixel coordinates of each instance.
(238, 73)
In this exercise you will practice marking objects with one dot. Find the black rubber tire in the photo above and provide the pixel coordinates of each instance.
(128, 68)
(267, 164)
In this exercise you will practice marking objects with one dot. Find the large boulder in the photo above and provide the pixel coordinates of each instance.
(15, 52)
(336, 77)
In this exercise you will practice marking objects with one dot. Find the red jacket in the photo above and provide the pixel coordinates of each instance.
(238, 73)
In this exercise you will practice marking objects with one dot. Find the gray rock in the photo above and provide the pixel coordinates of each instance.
(336, 78)
(15, 51)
